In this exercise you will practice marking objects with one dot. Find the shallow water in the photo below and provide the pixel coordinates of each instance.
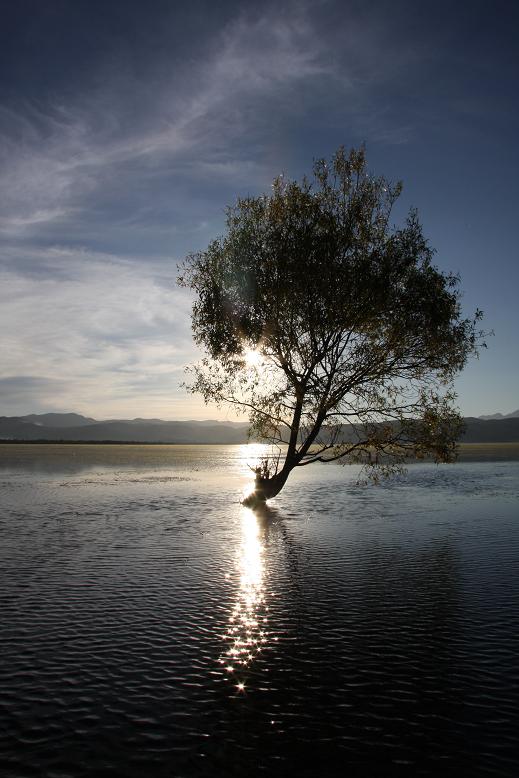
(152, 626)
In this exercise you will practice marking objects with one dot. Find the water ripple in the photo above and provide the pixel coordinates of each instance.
(370, 631)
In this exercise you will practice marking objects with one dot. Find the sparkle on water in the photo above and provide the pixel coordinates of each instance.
(246, 631)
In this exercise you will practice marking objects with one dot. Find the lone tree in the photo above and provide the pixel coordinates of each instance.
(330, 326)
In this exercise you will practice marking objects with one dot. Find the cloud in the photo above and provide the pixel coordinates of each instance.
(57, 157)
(130, 142)
(92, 332)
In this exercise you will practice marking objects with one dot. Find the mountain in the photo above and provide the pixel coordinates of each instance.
(134, 431)
(73, 427)
(58, 419)
(505, 430)
(513, 415)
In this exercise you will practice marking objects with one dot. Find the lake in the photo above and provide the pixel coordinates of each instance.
(153, 626)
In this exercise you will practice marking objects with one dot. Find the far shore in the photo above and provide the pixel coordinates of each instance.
(488, 452)
(468, 452)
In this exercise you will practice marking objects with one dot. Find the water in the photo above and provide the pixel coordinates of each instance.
(152, 626)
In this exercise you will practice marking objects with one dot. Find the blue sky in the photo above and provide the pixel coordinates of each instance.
(127, 127)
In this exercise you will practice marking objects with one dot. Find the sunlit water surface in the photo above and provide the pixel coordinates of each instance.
(152, 626)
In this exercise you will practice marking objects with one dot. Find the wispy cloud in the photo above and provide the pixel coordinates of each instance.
(90, 330)
(56, 158)
(216, 119)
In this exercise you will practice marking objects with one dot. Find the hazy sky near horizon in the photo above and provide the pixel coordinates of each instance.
(127, 127)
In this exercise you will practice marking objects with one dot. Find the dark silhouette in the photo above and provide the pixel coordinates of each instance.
(15, 428)
(316, 313)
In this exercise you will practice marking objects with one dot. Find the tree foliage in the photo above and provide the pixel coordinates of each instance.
(359, 334)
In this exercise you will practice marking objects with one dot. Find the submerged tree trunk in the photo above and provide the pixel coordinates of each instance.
(267, 487)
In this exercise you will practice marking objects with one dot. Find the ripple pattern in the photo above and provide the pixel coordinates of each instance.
(371, 631)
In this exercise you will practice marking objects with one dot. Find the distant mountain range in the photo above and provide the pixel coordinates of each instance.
(513, 415)
(74, 427)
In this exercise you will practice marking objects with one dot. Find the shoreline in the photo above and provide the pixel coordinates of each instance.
(468, 452)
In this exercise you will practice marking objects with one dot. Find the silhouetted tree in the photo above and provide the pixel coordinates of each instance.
(329, 326)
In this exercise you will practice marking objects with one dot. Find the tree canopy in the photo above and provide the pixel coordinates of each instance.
(329, 326)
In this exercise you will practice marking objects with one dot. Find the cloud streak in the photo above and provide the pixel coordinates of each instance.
(213, 119)
(92, 331)
(56, 158)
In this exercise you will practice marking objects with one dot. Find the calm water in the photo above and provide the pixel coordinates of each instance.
(152, 626)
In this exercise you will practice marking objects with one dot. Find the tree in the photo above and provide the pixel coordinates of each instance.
(329, 326)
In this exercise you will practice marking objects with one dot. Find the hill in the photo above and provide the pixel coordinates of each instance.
(134, 431)
(513, 415)
(73, 427)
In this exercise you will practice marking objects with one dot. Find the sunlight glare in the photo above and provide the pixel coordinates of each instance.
(251, 455)
(253, 358)
(246, 630)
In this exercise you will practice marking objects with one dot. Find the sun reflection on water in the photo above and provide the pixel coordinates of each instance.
(246, 635)
(250, 456)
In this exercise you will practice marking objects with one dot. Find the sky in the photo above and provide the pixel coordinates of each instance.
(127, 127)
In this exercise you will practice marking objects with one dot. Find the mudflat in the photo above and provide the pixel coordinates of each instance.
(489, 452)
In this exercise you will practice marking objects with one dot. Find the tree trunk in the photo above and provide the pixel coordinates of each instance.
(266, 488)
